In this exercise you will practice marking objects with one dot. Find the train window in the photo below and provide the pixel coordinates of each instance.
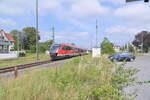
(64, 48)
(54, 47)
(76, 48)
(67, 48)
(70, 48)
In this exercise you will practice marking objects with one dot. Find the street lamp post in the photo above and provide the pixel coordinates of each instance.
(18, 45)
(37, 30)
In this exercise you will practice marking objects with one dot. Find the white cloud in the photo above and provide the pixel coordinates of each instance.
(47, 6)
(134, 14)
(126, 30)
(86, 8)
(122, 30)
(15, 7)
(24, 7)
(63, 35)
(72, 34)
(69, 10)
(76, 12)
(82, 34)
(114, 2)
(78, 23)
(5, 22)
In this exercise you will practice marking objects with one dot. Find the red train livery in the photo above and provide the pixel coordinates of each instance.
(58, 51)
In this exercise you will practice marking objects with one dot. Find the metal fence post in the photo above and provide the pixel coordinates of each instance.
(15, 72)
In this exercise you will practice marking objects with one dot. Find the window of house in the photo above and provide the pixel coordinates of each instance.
(1, 48)
(5, 48)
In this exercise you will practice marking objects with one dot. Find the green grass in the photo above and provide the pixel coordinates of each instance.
(23, 60)
(138, 54)
(83, 78)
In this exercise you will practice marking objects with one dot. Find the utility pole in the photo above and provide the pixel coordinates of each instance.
(53, 34)
(37, 31)
(91, 45)
(96, 32)
(21, 44)
(18, 45)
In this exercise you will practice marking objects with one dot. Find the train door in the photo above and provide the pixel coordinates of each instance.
(64, 50)
(72, 51)
(68, 50)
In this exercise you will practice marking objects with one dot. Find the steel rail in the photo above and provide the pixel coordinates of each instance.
(23, 66)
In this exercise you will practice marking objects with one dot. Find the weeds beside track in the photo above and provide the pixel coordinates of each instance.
(83, 78)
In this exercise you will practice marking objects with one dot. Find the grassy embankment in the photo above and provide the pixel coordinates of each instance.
(23, 60)
(83, 78)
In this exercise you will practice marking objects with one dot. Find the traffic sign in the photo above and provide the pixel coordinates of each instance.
(136, 0)
(146, 0)
(132, 0)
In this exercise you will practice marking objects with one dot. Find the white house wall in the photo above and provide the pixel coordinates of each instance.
(9, 55)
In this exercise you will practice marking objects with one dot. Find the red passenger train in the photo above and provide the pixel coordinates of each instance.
(59, 51)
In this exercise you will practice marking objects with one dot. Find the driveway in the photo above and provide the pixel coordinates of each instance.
(143, 64)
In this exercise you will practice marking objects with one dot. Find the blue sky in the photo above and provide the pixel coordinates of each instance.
(74, 20)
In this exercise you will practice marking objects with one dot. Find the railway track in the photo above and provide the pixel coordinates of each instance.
(23, 66)
(16, 68)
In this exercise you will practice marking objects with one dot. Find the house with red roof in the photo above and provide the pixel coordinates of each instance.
(6, 42)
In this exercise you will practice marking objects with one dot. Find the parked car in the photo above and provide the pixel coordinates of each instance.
(125, 56)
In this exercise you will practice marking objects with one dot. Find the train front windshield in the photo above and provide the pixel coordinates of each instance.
(55, 48)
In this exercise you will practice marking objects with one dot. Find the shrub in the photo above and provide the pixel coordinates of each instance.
(22, 54)
(107, 47)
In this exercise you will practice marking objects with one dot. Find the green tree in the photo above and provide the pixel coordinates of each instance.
(17, 37)
(107, 47)
(31, 38)
(142, 41)
(126, 46)
(130, 48)
(43, 46)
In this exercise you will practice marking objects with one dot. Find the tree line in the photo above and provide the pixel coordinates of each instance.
(26, 40)
(142, 41)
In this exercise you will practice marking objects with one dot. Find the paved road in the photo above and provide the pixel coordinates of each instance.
(143, 64)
